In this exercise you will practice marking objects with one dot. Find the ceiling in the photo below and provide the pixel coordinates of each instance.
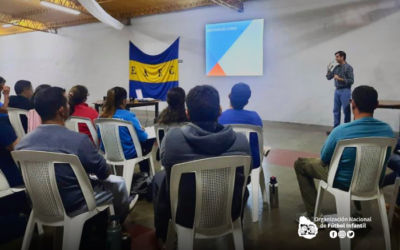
(30, 15)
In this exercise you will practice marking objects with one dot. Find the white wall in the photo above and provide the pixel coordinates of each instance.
(301, 37)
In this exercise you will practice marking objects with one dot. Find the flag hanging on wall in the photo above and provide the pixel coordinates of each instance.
(154, 75)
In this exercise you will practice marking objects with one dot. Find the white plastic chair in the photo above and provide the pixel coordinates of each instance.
(369, 163)
(5, 188)
(215, 181)
(257, 174)
(15, 120)
(38, 171)
(393, 200)
(114, 154)
(73, 124)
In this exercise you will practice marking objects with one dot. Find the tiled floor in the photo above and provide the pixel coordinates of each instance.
(276, 228)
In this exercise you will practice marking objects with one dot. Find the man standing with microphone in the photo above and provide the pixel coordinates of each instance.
(344, 78)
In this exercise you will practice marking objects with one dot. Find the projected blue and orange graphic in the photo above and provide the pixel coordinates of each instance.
(235, 48)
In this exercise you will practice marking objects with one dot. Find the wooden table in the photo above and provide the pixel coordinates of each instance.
(131, 104)
(389, 104)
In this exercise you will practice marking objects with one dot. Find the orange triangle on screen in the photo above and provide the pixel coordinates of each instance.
(216, 71)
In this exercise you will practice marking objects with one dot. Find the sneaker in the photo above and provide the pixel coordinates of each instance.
(310, 218)
(132, 201)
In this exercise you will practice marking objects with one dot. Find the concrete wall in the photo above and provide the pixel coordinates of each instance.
(301, 37)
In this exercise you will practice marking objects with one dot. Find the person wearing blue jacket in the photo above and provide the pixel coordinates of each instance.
(114, 107)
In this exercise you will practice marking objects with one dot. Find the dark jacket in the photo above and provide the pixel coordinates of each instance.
(189, 143)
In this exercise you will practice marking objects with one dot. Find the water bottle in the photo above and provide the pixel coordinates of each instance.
(114, 234)
(273, 192)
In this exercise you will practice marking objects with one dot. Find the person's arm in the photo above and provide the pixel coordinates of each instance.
(6, 93)
(329, 74)
(12, 145)
(92, 161)
(329, 147)
(141, 133)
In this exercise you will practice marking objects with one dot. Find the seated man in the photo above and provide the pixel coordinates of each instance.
(11, 206)
(239, 96)
(200, 139)
(24, 91)
(364, 102)
(3, 106)
(52, 136)
(394, 165)
(8, 140)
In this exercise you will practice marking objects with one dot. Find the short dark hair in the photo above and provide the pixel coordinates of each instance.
(240, 95)
(48, 101)
(203, 104)
(2, 80)
(21, 86)
(341, 54)
(365, 98)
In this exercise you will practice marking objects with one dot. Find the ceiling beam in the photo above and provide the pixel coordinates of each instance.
(166, 8)
(236, 5)
(75, 5)
(25, 23)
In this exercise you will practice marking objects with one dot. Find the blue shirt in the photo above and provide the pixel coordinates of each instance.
(361, 128)
(241, 116)
(2, 115)
(7, 164)
(126, 139)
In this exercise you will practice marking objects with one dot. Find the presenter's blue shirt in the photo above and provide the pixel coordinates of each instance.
(126, 139)
(241, 116)
(361, 128)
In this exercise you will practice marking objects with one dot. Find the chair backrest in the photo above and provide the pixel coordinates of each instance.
(370, 160)
(38, 172)
(109, 132)
(215, 181)
(4, 186)
(73, 124)
(249, 129)
(15, 120)
(162, 129)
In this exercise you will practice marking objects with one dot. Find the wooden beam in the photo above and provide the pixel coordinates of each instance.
(236, 5)
(165, 8)
(25, 23)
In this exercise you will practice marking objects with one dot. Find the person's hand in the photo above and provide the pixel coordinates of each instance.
(143, 128)
(6, 90)
(336, 77)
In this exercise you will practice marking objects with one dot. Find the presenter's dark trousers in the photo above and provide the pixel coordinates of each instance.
(341, 100)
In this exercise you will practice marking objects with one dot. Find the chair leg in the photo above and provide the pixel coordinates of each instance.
(40, 228)
(170, 237)
(127, 174)
(343, 208)
(72, 233)
(366, 210)
(318, 204)
(237, 234)
(185, 238)
(263, 186)
(385, 223)
(152, 172)
(255, 183)
(393, 201)
(29, 232)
